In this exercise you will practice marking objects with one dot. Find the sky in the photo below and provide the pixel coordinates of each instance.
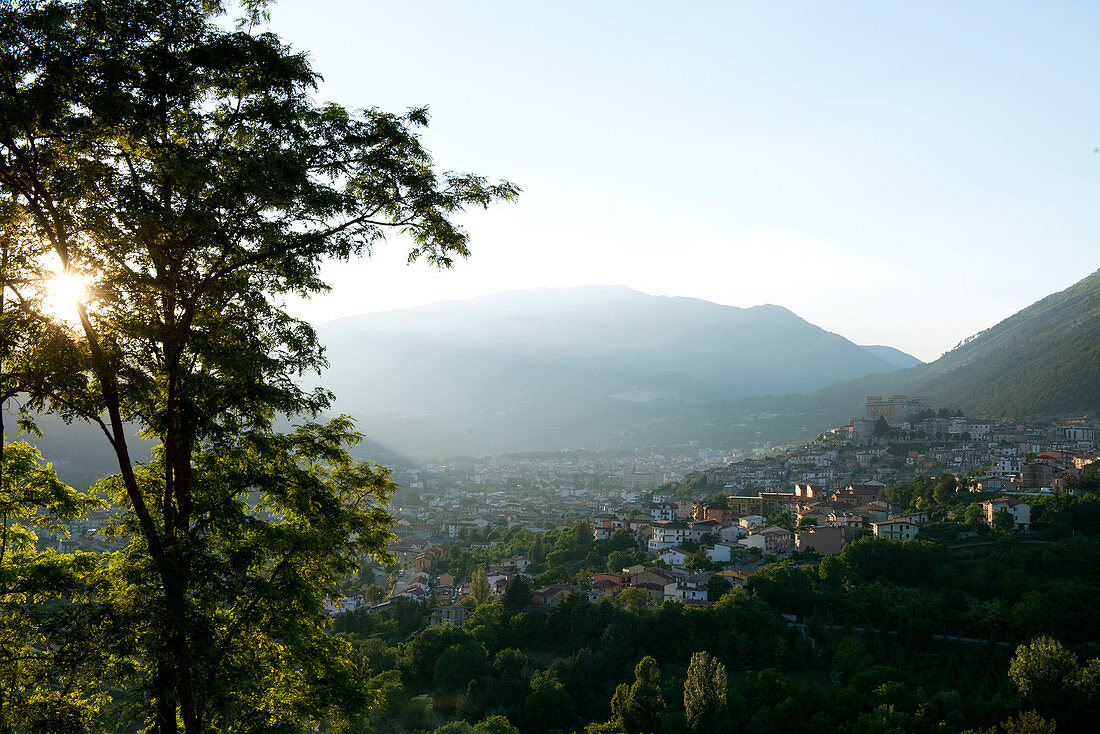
(899, 173)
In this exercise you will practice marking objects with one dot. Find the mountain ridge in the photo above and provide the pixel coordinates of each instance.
(554, 353)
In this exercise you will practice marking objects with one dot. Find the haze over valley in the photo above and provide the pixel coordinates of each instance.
(610, 366)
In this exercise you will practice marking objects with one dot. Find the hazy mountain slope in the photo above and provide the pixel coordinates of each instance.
(554, 368)
(899, 359)
(468, 351)
(1041, 361)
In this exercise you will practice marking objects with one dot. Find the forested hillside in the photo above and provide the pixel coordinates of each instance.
(887, 636)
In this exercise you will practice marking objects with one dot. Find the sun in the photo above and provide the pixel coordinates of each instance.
(63, 292)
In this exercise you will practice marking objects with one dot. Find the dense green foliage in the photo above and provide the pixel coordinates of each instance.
(183, 168)
(909, 636)
(1043, 360)
(559, 555)
(49, 613)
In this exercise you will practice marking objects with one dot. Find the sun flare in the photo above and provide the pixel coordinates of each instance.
(63, 292)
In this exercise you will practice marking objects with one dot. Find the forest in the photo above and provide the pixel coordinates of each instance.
(992, 633)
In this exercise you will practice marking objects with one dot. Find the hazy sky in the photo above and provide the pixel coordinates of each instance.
(900, 173)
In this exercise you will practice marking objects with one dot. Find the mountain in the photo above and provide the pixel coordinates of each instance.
(612, 367)
(552, 368)
(1043, 361)
(899, 359)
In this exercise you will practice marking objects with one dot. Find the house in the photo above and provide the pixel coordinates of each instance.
(653, 575)
(673, 556)
(517, 563)
(552, 595)
(452, 614)
(918, 517)
(739, 574)
(770, 539)
(710, 511)
(1038, 474)
(896, 529)
(705, 527)
(662, 511)
(826, 540)
(1020, 511)
(750, 521)
(444, 594)
(809, 491)
(860, 494)
(656, 592)
(604, 524)
(848, 518)
(732, 533)
(735, 576)
(683, 590)
(819, 511)
(991, 484)
(610, 581)
(872, 512)
(724, 552)
(664, 534)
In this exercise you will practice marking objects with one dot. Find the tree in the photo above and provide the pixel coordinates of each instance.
(1086, 480)
(497, 725)
(184, 170)
(973, 515)
(1003, 521)
(517, 594)
(633, 599)
(480, 590)
(881, 428)
(705, 693)
(458, 665)
(640, 704)
(1043, 671)
(548, 705)
(699, 561)
(717, 587)
(41, 643)
(1028, 722)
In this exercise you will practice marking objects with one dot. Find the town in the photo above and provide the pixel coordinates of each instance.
(690, 534)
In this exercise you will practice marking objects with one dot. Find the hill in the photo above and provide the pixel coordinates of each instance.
(561, 368)
(896, 357)
(1043, 361)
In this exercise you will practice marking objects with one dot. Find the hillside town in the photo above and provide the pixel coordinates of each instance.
(693, 526)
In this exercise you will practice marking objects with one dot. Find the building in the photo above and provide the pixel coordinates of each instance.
(826, 540)
(809, 491)
(683, 590)
(674, 557)
(896, 529)
(770, 539)
(451, 614)
(664, 534)
(895, 409)
(1020, 511)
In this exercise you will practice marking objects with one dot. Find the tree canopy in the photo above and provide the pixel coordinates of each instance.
(185, 176)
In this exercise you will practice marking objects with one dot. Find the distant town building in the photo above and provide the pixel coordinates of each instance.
(895, 409)
(1020, 511)
(896, 529)
(452, 614)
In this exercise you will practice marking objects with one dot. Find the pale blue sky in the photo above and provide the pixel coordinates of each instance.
(900, 173)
